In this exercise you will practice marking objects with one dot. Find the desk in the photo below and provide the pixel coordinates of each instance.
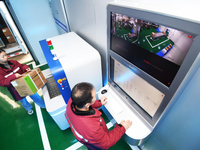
(139, 130)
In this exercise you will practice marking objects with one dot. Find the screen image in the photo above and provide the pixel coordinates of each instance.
(144, 94)
(156, 49)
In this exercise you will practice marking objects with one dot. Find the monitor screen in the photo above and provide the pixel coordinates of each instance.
(156, 49)
(140, 91)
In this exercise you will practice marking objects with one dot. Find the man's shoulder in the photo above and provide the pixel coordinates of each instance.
(13, 61)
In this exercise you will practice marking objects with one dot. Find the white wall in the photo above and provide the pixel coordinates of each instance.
(89, 20)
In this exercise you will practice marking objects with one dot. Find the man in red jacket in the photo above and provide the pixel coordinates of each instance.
(86, 122)
(11, 70)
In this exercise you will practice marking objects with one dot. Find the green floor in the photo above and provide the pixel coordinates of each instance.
(19, 131)
(144, 38)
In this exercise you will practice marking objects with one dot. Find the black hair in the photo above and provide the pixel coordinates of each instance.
(82, 94)
(1, 50)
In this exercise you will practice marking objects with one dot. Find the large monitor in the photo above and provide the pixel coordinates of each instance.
(149, 55)
(156, 49)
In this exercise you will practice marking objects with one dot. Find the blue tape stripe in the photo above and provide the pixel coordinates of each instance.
(64, 27)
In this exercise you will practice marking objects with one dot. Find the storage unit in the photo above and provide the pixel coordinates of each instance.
(10, 38)
(71, 60)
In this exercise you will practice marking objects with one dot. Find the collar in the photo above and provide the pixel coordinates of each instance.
(3, 66)
(91, 111)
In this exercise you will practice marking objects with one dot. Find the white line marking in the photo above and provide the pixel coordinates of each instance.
(109, 125)
(75, 146)
(135, 41)
(78, 144)
(43, 132)
(154, 45)
(126, 35)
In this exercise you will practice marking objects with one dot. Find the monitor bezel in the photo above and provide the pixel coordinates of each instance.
(165, 20)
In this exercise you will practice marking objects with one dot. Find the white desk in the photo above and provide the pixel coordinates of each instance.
(139, 130)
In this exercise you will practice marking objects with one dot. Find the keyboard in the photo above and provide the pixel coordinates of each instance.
(115, 106)
(52, 87)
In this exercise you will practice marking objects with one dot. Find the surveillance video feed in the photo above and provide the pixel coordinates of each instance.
(154, 48)
(165, 42)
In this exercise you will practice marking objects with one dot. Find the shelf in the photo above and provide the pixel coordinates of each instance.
(15, 53)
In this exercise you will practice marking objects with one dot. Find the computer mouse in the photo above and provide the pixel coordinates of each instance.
(103, 91)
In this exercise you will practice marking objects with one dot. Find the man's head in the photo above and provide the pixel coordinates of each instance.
(83, 95)
(3, 56)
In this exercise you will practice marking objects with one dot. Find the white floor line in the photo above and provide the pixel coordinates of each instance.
(154, 45)
(75, 146)
(78, 144)
(43, 132)
(109, 125)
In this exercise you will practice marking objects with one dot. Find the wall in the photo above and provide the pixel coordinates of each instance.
(88, 19)
(37, 22)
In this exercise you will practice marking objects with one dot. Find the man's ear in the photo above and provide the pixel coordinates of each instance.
(87, 105)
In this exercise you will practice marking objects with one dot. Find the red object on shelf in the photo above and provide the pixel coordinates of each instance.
(49, 42)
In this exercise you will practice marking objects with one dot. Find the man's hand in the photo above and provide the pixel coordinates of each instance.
(18, 75)
(28, 69)
(103, 100)
(126, 124)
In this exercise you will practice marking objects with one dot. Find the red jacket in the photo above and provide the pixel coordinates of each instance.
(90, 128)
(7, 75)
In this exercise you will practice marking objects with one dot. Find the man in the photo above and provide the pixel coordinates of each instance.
(11, 70)
(86, 122)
